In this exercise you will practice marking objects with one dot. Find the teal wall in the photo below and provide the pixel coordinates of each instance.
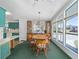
(2, 17)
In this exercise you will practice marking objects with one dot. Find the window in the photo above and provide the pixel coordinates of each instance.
(38, 26)
(66, 31)
(60, 31)
(54, 31)
(72, 27)
(73, 9)
(72, 32)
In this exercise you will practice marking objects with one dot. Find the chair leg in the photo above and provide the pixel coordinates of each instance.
(45, 51)
(38, 51)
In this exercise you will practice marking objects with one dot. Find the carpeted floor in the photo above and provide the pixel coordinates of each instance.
(22, 51)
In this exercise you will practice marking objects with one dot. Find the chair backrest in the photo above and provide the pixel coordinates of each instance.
(29, 37)
(38, 36)
(41, 43)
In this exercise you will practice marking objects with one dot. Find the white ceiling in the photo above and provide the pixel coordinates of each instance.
(28, 9)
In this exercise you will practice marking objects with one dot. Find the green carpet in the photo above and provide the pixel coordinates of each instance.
(22, 51)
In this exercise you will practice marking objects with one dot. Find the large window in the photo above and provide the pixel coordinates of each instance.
(38, 26)
(72, 27)
(60, 31)
(72, 32)
(66, 30)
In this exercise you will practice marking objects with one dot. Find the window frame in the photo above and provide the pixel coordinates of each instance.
(64, 25)
(59, 22)
(54, 24)
(66, 19)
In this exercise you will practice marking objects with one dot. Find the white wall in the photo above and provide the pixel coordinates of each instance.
(1, 33)
(22, 29)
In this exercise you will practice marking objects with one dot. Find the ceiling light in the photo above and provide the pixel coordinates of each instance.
(8, 13)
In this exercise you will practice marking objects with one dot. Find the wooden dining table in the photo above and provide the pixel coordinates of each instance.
(41, 39)
(41, 42)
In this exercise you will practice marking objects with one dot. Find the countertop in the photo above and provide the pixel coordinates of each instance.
(8, 39)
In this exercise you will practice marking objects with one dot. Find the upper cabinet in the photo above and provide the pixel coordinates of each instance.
(2, 17)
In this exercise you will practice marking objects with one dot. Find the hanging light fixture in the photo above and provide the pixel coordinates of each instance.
(39, 12)
(38, 22)
(35, 2)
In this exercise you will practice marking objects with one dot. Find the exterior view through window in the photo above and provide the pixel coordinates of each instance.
(54, 31)
(65, 30)
(72, 27)
(60, 31)
(72, 32)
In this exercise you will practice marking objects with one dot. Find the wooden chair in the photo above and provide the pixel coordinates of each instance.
(48, 37)
(41, 44)
(31, 41)
(40, 41)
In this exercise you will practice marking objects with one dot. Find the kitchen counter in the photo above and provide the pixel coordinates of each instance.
(5, 46)
(7, 39)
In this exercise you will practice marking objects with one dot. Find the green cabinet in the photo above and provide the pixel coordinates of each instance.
(4, 50)
(0, 51)
(2, 17)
